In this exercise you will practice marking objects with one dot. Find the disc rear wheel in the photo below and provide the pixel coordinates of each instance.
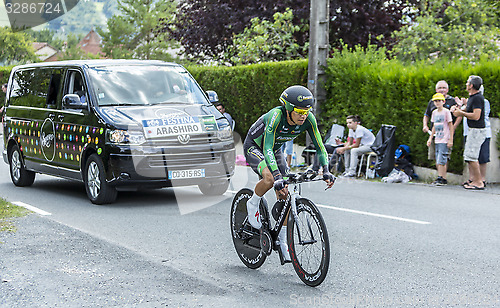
(246, 239)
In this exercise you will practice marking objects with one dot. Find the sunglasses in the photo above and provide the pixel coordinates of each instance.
(302, 111)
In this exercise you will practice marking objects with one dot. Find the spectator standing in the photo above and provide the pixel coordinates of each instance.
(443, 88)
(359, 143)
(442, 131)
(484, 152)
(474, 112)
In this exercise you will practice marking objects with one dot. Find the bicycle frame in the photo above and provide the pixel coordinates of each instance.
(290, 202)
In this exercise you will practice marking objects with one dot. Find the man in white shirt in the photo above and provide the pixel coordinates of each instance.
(359, 142)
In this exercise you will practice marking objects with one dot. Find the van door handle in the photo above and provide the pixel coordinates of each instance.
(61, 117)
(52, 116)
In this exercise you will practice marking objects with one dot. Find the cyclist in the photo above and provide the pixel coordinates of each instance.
(262, 149)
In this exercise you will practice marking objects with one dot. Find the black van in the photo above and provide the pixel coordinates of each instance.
(115, 124)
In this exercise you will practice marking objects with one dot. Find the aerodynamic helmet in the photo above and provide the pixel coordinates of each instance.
(297, 96)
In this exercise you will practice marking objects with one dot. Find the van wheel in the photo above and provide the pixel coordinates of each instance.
(98, 190)
(19, 175)
(214, 188)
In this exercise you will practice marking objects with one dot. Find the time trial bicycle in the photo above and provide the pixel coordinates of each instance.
(307, 237)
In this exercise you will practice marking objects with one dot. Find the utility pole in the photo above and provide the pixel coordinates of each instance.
(318, 52)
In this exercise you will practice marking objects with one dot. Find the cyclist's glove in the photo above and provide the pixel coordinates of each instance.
(328, 176)
(279, 183)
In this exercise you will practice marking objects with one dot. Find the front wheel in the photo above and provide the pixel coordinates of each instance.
(98, 190)
(18, 174)
(246, 239)
(308, 243)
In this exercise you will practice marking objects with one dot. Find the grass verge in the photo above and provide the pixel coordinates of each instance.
(7, 212)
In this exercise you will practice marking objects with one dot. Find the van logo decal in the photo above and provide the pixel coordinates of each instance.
(166, 113)
(183, 139)
(47, 140)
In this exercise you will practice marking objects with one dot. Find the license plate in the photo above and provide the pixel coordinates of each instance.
(186, 174)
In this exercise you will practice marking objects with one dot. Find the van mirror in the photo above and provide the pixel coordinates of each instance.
(72, 101)
(213, 97)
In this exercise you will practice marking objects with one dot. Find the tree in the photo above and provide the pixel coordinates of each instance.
(460, 29)
(16, 47)
(110, 8)
(132, 34)
(266, 41)
(367, 22)
(205, 28)
(85, 16)
(46, 36)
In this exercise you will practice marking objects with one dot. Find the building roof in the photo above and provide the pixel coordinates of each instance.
(91, 43)
(45, 52)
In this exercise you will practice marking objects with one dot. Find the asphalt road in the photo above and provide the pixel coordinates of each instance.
(392, 245)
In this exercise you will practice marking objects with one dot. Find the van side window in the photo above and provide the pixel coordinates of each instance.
(30, 88)
(54, 88)
(75, 85)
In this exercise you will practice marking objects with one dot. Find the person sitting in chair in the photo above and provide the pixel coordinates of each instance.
(332, 142)
(359, 143)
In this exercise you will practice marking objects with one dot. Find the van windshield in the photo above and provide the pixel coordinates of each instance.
(144, 85)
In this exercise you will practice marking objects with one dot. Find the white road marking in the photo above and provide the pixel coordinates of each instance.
(364, 213)
(373, 214)
(32, 208)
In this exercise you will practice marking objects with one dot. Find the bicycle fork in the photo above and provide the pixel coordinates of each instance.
(293, 200)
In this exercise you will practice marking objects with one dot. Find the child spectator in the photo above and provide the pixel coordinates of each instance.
(442, 130)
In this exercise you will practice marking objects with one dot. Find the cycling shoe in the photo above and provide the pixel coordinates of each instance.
(254, 215)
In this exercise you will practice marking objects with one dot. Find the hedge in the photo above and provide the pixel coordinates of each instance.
(4, 78)
(381, 91)
(389, 92)
(5, 73)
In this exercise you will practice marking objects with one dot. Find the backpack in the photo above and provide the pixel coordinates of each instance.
(402, 161)
(403, 151)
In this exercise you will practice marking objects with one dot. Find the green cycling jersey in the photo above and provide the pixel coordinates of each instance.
(271, 130)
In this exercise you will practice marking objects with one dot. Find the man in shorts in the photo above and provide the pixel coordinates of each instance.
(474, 112)
(484, 153)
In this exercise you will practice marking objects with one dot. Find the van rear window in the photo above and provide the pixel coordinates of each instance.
(144, 85)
